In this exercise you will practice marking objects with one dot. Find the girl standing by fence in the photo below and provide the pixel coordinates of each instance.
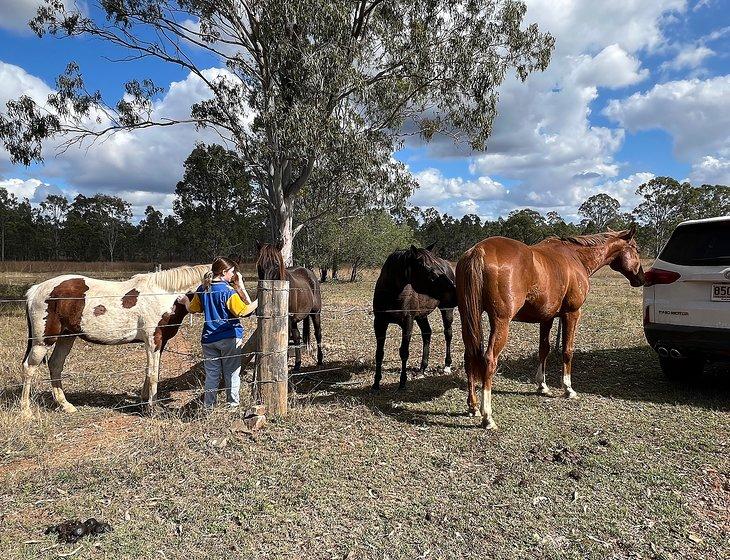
(222, 337)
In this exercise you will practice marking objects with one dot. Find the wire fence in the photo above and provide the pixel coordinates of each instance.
(198, 320)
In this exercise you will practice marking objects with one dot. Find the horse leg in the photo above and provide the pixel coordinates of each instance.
(55, 366)
(297, 339)
(544, 351)
(149, 389)
(569, 322)
(447, 316)
(471, 393)
(497, 340)
(317, 324)
(426, 335)
(404, 347)
(33, 359)
(380, 325)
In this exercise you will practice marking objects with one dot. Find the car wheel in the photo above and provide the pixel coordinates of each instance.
(682, 369)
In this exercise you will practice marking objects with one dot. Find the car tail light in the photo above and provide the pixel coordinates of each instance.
(659, 276)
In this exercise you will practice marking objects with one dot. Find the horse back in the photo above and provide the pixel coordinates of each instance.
(304, 290)
(99, 311)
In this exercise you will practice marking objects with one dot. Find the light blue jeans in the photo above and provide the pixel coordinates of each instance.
(222, 358)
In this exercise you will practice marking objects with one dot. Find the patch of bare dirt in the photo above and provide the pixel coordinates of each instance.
(98, 439)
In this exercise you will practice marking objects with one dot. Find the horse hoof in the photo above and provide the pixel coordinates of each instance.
(447, 370)
(475, 414)
(571, 395)
(544, 390)
(68, 408)
(488, 423)
(26, 414)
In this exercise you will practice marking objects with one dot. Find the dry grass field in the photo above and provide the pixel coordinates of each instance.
(636, 468)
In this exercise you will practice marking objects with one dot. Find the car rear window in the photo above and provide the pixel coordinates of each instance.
(699, 244)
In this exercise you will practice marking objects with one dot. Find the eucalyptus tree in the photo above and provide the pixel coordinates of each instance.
(301, 77)
(601, 209)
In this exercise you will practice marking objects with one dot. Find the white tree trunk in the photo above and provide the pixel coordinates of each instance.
(284, 230)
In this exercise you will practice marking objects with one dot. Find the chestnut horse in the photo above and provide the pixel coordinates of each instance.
(531, 284)
(142, 309)
(412, 283)
(305, 299)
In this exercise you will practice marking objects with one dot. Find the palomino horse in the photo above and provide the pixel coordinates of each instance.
(141, 309)
(535, 284)
(305, 298)
(412, 283)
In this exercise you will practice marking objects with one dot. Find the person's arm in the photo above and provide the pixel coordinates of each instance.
(240, 309)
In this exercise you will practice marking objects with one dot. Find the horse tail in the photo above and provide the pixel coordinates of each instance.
(469, 287)
(28, 299)
(305, 331)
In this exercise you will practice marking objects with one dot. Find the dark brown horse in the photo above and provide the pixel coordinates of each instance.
(532, 284)
(305, 298)
(412, 283)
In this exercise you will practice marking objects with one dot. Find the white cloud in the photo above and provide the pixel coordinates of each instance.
(148, 160)
(15, 14)
(695, 112)
(34, 190)
(689, 56)
(544, 136)
(711, 170)
(613, 67)
(457, 196)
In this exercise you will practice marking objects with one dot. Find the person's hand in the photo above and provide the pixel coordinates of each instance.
(183, 300)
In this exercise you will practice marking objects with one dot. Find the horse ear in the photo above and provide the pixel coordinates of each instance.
(258, 246)
(629, 234)
(413, 248)
(280, 244)
(431, 246)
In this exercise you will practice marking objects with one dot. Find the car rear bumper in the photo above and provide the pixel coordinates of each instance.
(689, 340)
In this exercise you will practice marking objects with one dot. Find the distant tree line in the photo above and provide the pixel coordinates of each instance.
(215, 212)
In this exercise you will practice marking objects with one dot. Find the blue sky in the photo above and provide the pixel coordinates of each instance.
(635, 89)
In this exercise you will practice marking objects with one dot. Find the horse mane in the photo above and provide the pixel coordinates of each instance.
(176, 279)
(590, 240)
(270, 257)
(397, 261)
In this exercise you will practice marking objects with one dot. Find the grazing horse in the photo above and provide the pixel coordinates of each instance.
(305, 298)
(531, 284)
(142, 309)
(412, 283)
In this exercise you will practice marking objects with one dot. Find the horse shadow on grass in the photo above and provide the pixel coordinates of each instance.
(179, 396)
(631, 374)
(622, 373)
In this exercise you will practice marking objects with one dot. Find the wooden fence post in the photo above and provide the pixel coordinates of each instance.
(272, 370)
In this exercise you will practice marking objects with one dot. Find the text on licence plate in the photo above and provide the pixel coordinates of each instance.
(720, 292)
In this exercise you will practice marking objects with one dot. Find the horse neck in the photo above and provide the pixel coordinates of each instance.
(595, 257)
(181, 278)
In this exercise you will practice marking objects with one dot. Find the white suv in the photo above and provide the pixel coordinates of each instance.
(687, 298)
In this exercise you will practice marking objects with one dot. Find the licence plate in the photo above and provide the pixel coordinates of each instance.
(720, 292)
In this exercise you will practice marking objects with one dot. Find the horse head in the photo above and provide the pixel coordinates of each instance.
(430, 275)
(626, 260)
(269, 261)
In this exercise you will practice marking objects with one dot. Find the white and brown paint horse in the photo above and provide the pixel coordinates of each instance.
(141, 309)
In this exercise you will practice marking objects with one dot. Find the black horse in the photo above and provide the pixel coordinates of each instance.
(412, 283)
(305, 298)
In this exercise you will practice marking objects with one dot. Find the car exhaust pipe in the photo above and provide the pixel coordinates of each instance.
(663, 352)
(674, 353)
